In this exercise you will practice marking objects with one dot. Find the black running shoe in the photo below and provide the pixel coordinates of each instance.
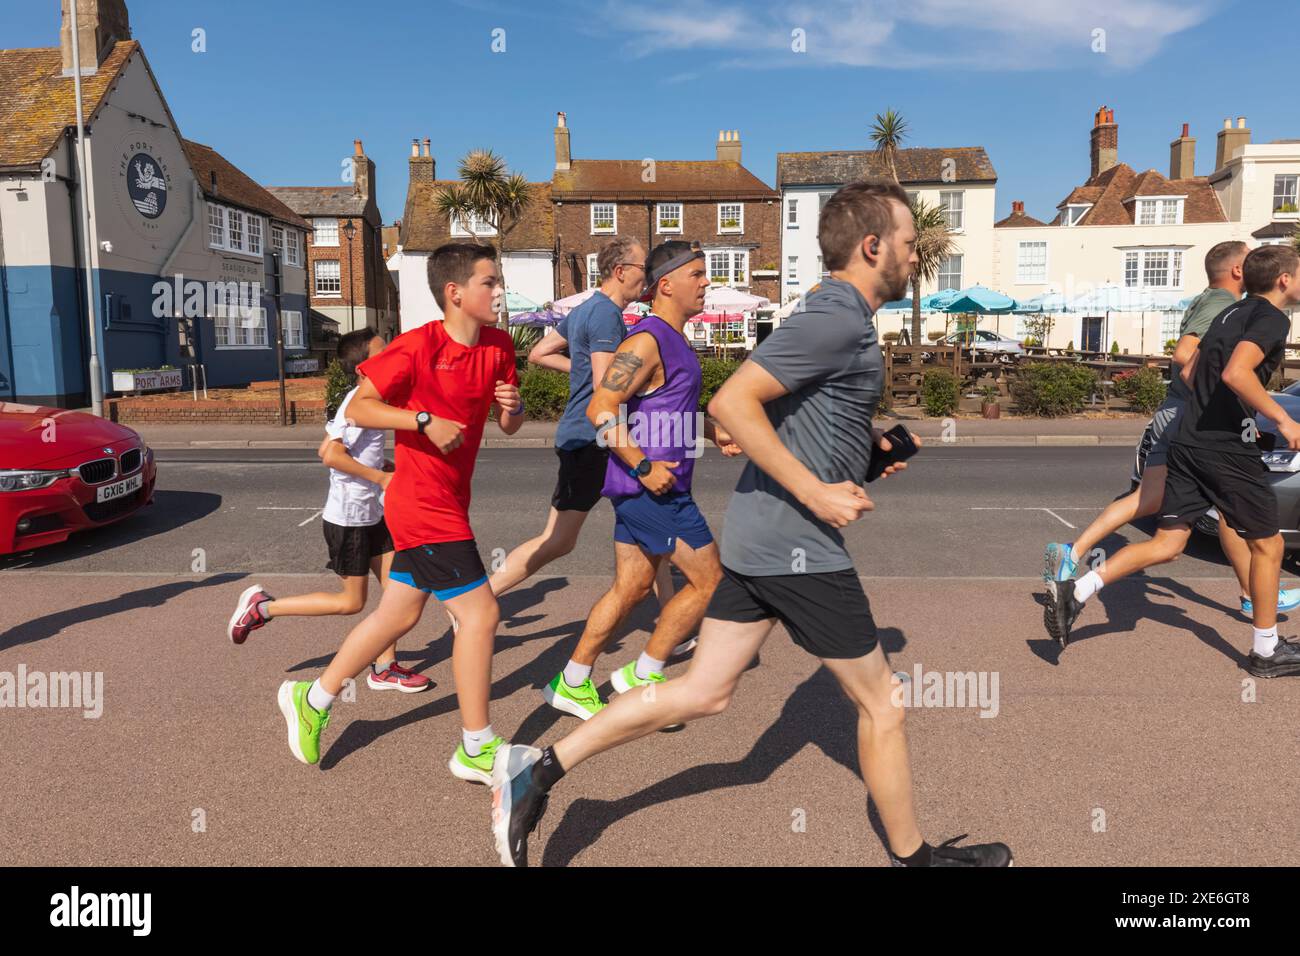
(1061, 610)
(977, 854)
(1285, 660)
(517, 802)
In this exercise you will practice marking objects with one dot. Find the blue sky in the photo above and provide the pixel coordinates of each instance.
(286, 85)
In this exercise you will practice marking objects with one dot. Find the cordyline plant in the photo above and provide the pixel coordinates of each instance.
(934, 244)
(491, 194)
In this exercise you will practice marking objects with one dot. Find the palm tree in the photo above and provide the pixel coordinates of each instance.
(888, 132)
(934, 244)
(488, 192)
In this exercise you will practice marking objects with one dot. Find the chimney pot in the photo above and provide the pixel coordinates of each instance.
(1241, 122)
(1186, 130)
(426, 146)
(561, 119)
(415, 149)
(1227, 123)
(356, 147)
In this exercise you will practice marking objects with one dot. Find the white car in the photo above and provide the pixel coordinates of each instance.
(985, 341)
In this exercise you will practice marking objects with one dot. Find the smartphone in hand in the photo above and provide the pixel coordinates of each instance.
(902, 447)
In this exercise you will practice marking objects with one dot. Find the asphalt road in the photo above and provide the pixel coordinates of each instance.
(1145, 745)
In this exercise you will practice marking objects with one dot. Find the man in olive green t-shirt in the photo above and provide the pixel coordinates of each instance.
(1223, 268)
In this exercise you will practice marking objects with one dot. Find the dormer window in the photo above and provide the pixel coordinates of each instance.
(1074, 212)
(1159, 211)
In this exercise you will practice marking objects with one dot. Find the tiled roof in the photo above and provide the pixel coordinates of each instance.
(233, 186)
(915, 166)
(673, 179)
(1278, 230)
(320, 200)
(425, 229)
(37, 101)
(1017, 219)
(1112, 193)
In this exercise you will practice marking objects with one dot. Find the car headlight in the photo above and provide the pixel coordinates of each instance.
(28, 479)
(1282, 460)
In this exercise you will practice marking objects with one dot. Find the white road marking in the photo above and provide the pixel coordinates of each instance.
(310, 518)
(1050, 511)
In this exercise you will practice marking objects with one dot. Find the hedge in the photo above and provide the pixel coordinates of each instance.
(939, 392)
(1053, 389)
(1143, 389)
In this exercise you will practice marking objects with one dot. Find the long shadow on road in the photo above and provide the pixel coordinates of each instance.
(806, 718)
(41, 628)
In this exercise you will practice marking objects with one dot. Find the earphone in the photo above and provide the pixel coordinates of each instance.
(875, 247)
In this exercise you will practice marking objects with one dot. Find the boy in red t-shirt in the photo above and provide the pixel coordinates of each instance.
(434, 388)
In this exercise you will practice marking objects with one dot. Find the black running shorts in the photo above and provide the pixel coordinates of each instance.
(445, 570)
(582, 475)
(827, 614)
(352, 548)
(1236, 485)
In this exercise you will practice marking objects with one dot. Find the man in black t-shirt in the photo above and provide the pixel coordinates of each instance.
(1214, 458)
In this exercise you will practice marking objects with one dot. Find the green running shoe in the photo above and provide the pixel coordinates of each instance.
(304, 721)
(624, 679)
(582, 701)
(475, 769)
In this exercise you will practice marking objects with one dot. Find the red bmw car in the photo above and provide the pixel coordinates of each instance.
(63, 471)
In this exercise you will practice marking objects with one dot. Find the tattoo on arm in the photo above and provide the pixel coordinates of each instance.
(621, 371)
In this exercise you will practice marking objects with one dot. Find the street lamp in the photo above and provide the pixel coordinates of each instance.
(349, 231)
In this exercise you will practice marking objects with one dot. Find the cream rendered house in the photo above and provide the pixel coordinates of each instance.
(1146, 233)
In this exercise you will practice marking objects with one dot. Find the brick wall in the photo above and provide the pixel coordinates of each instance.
(762, 235)
(367, 253)
(182, 412)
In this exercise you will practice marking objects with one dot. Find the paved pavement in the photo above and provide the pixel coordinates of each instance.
(1135, 746)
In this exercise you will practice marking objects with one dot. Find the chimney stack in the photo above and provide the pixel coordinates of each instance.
(1017, 207)
(100, 24)
(728, 146)
(363, 173)
(563, 158)
(1182, 156)
(1105, 142)
(1230, 140)
(421, 165)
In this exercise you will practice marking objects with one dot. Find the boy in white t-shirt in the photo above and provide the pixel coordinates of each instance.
(353, 519)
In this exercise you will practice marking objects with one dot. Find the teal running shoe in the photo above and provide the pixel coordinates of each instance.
(1288, 599)
(1058, 563)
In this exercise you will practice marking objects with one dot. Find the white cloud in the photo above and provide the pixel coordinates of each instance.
(910, 34)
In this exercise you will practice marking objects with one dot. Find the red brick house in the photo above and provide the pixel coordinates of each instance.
(719, 203)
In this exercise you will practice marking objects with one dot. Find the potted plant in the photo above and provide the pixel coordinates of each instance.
(989, 406)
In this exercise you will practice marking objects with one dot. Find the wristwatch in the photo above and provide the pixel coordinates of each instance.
(422, 420)
(641, 469)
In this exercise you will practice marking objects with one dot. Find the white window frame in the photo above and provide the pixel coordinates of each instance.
(1280, 192)
(216, 226)
(1039, 275)
(242, 324)
(593, 271)
(737, 264)
(277, 239)
(325, 231)
(1137, 268)
(316, 277)
(961, 268)
(958, 211)
(791, 212)
(293, 247)
(1074, 212)
(740, 218)
(613, 212)
(291, 320)
(478, 226)
(1162, 210)
(256, 231)
(660, 210)
(792, 270)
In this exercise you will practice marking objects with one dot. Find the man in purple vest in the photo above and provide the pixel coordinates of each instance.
(647, 412)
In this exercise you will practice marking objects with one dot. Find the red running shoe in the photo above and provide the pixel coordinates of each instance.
(397, 677)
(248, 615)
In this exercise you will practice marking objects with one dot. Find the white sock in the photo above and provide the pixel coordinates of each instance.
(647, 665)
(1087, 586)
(575, 674)
(319, 698)
(475, 740)
(1075, 554)
(1265, 640)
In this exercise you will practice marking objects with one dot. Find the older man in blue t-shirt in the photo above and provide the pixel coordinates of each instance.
(590, 334)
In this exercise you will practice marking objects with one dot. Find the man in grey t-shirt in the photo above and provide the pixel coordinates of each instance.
(801, 410)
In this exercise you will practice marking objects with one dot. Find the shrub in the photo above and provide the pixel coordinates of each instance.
(1143, 389)
(1051, 389)
(1114, 348)
(936, 336)
(939, 390)
(1069, 346)
(545, 393)
(1170, 346)
(891, 337)
(716, 371)
(524, 337)
(337, 385)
